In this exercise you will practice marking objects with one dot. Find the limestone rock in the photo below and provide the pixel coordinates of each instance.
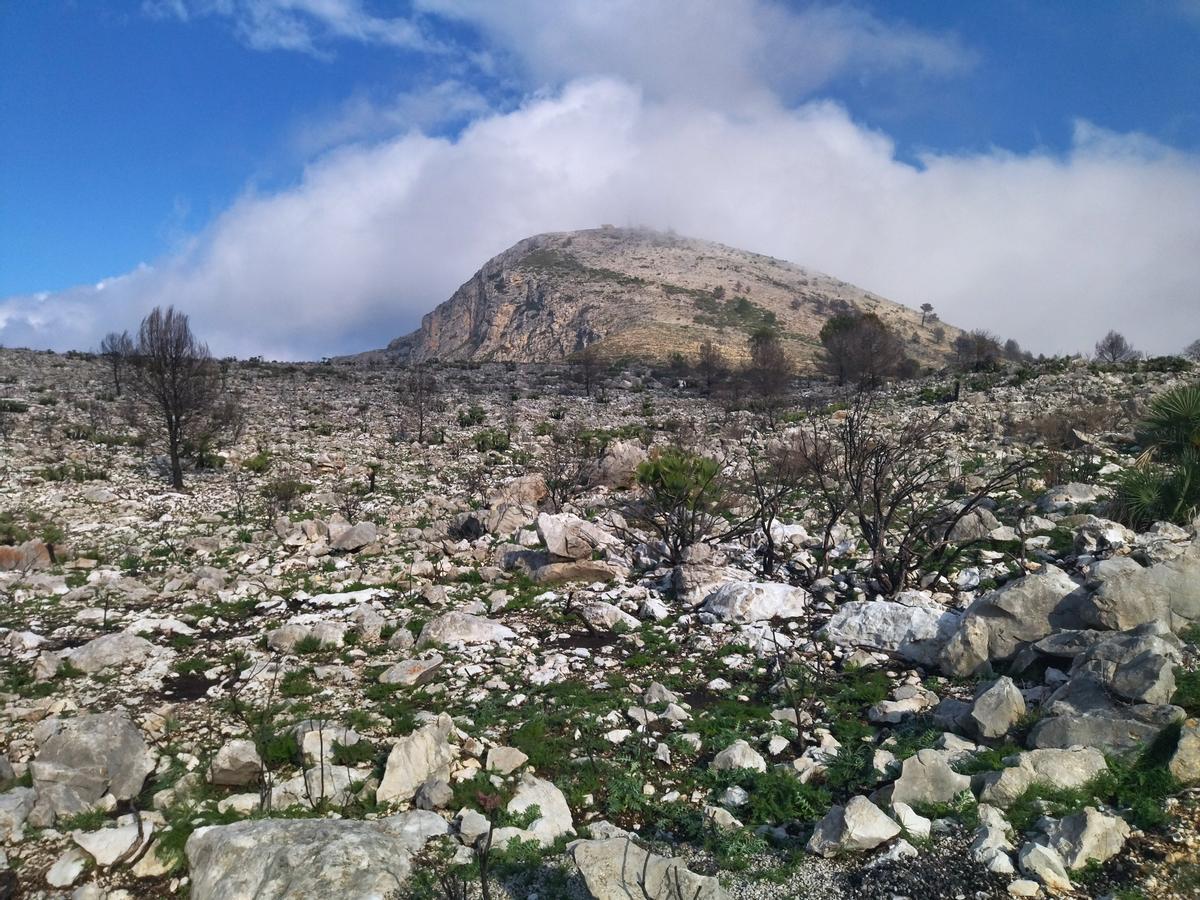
(997, 709)
(859, 825)
(414, 759)
(911, 626)
(463, 628)
(237, 763)
(744, 602)
(616, 869)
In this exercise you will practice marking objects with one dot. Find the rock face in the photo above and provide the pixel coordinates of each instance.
(744, 602)
(89, 757)
(617, 869)
(639, 293)
(311, 859)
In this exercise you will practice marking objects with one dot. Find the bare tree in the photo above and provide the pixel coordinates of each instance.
(117, 348)
(588, 365)
(926, 309)
(1114, 348)
(711, 365)
(176, 376)
(892, 483)
(567, 464)
(419, 392)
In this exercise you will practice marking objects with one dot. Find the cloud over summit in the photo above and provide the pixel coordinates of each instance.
(1052, 249)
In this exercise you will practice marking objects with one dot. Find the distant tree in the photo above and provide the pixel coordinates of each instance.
(860, 349)
(117, 348)
(1192, 351)
(939, 335)
(588, 366)
(419, 391)
(769, 371)
(175, 375)
(926, 309)
(1114, 348)
(977, 351)
(711, 365)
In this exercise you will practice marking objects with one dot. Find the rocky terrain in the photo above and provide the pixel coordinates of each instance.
(645, 295)
(342, 663)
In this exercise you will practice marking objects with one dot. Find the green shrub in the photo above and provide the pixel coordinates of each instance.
(1166, 483)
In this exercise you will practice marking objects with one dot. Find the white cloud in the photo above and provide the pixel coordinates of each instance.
(299, 25)
(1051, 250)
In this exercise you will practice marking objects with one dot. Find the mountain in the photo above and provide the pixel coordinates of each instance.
(644, 294)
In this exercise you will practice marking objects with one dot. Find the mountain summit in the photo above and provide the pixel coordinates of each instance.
(645, 294)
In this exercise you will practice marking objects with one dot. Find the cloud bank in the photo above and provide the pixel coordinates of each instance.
(1051, 249)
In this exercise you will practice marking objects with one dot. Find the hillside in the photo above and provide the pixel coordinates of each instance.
(644, 294)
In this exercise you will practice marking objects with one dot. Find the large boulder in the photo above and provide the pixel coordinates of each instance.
(567, 536)
(912, 626)
(307, 859)
(88, 757)
(554, 816)
(1168, 592)
(859, 825)
(743, 602)
(926, 777)
(1088, 836)
(111, 650)
(616, 869)
(1185, 761)
(415, 759)
(354, 538)
(996, 710)
(1000, 623)
(463, 628)
(1050, 767)
(618, 465)
(236, 764)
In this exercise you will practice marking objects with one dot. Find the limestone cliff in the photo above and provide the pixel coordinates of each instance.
(644, 294)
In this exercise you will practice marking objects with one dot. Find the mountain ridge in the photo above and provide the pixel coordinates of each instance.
(632, 292)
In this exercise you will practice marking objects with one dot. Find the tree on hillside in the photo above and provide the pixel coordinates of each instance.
(769, 371)
(926, 309)
(860, 349)
(588, 366)
(977, 351)
(1114, 348)
(117, 348)
(710, 365)
(1192, 351)
(419, 391)
(176, 376)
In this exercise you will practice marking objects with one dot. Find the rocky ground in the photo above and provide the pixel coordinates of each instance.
(341, 660)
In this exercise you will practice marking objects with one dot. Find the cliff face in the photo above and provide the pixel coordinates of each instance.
(647, 295)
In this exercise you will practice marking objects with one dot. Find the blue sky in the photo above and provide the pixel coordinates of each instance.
(149, 145)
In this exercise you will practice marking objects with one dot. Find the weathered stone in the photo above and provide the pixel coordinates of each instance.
(997, 624)
(1185, 761)
(608, 617)
(357, 537)
(567, 536)
(89, 757)
(237, 763)
(15, 806)
(410, 672)
(463, 628)
(414, 759)
(617, 869)
(1044, 864)
(912, 626)
(1168, 593)
(859, 825)
(750, 601)
(118, 649)
(1086, 836)
(997, 709)
(926, 777)
(738, 755)
(1055, 768)
(505, 760)
(307, 859)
